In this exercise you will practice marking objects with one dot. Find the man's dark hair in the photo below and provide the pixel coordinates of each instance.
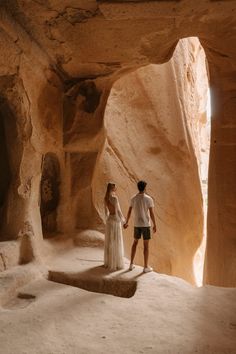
(141, 185)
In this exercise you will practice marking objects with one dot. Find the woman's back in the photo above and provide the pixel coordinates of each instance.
(113, 250)
(110, 204)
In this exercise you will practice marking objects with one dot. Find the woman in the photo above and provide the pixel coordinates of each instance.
(114, 250)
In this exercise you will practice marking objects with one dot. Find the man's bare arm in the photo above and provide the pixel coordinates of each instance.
(153, 219)
(127, 218)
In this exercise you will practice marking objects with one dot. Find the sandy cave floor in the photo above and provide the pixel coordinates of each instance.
(162, 314)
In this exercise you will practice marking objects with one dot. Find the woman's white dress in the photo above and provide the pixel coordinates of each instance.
(114, 249)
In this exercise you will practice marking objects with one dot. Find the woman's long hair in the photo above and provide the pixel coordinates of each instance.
(110, 187)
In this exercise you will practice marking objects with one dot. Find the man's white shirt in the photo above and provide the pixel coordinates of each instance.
(141, 203)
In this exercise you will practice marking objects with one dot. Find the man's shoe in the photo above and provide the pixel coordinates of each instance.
(147, 269)
(132, 266)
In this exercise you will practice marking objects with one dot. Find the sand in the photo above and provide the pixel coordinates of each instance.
(164, 315)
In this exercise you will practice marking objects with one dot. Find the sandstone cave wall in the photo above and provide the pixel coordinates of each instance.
(54, 42)
(151, 120)
(221, 246)
(31, 117)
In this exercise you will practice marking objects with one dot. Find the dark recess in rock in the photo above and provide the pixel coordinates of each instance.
(50, 193)
(91, 94)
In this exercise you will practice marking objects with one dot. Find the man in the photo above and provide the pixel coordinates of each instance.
(143, 209)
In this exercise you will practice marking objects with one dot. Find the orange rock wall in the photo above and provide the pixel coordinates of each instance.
(58, 62)
(152, 120)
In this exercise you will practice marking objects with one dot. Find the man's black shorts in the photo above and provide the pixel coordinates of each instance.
(139, 231)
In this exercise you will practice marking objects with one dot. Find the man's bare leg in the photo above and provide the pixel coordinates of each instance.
(145, 252)
(133, 251)
(146, 268)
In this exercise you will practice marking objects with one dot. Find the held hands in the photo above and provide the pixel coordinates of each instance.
(125, 225)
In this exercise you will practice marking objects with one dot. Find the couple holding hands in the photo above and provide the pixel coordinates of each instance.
(142, 205)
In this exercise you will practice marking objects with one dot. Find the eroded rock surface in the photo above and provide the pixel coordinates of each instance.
(58, 63)
(153, 135)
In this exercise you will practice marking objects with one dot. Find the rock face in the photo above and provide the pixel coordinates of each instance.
(153, 135)
(58, 63)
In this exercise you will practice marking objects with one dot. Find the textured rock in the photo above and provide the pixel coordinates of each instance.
(221, 246)
(9, 254)
(89, 238)
(50, 48)
(152, 121)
